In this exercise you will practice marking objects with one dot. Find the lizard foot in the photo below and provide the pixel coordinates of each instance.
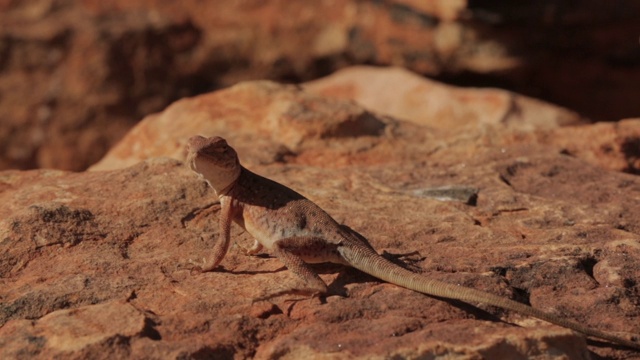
(253, 250)
(199, 267)
(196, 270)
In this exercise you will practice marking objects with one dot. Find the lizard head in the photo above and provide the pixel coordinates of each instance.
(215, 160)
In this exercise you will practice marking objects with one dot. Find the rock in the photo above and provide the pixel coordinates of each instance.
(251, 111)
(76, 75)
(614, 146)
(427, 102)
(85, 330)
(97, 263)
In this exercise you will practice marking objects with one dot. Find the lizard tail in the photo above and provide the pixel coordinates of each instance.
(373, 264)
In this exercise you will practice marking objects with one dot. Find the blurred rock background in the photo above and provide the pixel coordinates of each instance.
(75, 75)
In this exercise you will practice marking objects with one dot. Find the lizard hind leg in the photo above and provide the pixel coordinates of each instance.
(285, 250)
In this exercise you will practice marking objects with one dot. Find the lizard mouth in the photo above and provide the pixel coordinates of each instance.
(194, 147)
(189, 157)
(191, 161)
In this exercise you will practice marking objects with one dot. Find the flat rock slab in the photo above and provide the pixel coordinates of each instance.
(97, 264)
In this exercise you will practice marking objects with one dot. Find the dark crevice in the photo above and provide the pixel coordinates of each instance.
(149, 330)
(587, 264)
(123, 247)
(193, 213)
(631, 150)
(222, 352)
(499, 270)
(505, 180)
(521, 295)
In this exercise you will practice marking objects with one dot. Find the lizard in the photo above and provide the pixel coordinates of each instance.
(298, 232)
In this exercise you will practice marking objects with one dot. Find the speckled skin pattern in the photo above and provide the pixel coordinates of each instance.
(298, 232)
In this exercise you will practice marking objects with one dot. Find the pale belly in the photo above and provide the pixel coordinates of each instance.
(279, 225)
(267, 227)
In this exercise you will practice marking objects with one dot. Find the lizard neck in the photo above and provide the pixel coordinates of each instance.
(225, 191)
(220, 179)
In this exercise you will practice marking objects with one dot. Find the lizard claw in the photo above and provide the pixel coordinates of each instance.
(196, 270)
(253, 250)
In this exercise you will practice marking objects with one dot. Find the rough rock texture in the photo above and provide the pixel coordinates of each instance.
(76, 75)
(96, 264)
(614, 146)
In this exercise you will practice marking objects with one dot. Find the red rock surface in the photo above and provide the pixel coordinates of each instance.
(76, 75)
(96, 264)
(427, 102)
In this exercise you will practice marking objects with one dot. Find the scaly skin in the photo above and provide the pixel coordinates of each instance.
(299, 232)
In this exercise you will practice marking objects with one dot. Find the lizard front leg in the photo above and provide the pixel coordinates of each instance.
(222, 245)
